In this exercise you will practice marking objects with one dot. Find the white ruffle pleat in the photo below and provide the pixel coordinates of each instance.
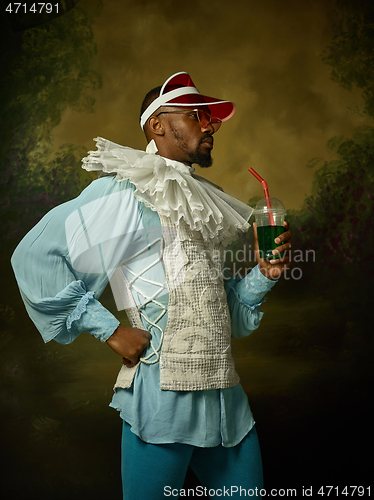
(170, 188)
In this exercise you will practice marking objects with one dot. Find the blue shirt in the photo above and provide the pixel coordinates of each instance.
(61, 287)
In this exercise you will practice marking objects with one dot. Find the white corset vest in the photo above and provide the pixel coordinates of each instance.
(196, 349)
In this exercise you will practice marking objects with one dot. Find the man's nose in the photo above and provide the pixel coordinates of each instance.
(208, 128)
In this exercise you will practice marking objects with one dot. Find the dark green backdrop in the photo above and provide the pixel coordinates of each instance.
(307, 370)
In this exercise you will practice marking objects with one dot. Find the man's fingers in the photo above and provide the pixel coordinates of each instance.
(283, 237)
(286, 247)
(129, 343)
(127, 362)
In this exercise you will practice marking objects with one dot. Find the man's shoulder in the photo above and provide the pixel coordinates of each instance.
(99, 189)
(105, 184)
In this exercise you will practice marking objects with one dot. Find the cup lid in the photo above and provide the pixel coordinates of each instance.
(277, 207)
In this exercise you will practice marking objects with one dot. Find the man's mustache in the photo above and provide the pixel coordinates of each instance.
(207, 138)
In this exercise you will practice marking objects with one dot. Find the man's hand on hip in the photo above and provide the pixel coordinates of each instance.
(129, 343)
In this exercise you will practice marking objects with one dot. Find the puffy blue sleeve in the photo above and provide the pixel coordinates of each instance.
(65, 262)
(89, 316)
(244, 297)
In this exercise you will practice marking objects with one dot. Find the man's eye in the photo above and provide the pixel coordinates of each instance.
(194, 115)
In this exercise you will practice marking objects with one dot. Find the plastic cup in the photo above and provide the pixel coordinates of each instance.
(265, 231)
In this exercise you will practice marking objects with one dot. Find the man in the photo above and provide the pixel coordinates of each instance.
(157, 232)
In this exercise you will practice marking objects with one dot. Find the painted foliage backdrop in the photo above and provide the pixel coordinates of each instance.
(301, 74)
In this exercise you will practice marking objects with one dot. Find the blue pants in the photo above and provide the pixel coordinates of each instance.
(157, 471)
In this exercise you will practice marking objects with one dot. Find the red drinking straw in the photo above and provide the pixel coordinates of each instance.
(266, 191)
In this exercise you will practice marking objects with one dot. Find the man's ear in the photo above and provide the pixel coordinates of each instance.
(155, 126)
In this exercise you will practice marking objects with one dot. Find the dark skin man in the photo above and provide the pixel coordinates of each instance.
(180, 136)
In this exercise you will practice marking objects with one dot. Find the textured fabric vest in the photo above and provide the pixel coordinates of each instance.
(196, 350)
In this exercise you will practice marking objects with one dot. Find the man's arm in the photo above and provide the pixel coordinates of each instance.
(91, 317)
(59, 273)
(244, 296)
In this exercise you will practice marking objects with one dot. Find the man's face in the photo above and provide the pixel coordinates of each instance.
(188, 142)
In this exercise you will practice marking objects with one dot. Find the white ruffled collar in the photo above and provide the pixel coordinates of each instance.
(172, 189)
(181, 167)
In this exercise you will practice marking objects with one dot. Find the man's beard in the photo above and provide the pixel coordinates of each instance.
(204, 160)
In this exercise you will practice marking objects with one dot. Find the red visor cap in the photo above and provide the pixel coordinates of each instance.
(188, 96)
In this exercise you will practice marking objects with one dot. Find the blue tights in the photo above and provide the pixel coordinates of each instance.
(157, 471)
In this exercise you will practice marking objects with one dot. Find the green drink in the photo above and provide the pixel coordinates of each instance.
(266, 231)
(266, 236)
